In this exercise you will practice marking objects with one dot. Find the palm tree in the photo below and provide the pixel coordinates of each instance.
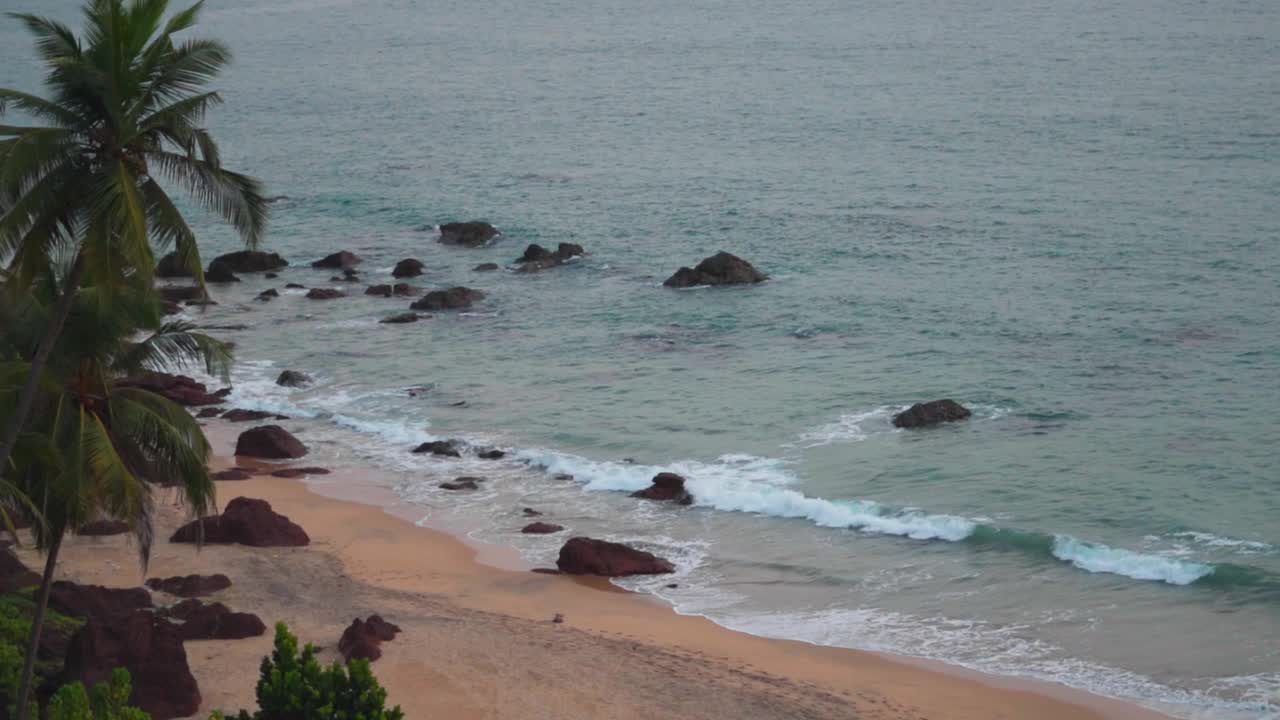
(127, 100)
(97, 447)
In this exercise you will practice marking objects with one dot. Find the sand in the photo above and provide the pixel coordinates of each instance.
(478, 639)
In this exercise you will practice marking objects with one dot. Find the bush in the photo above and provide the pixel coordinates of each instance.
(16, 610)
(295, 686)
(104, 702)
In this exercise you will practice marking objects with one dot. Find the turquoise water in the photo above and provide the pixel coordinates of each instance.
(1063, 215)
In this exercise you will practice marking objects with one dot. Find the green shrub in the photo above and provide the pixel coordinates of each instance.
(16, 610)
(294, 686)
(104, 702)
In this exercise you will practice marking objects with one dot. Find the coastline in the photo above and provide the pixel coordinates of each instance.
(479, 641)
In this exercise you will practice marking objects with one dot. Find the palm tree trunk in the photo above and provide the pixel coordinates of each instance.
(37, 623)
(41, 358)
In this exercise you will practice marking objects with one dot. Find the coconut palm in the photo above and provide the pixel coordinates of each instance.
(124, 113)
(97, 447)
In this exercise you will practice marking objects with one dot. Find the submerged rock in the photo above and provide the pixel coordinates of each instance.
(324, 294)
(409, 267)
(468, 234)
(931, 413)
(293, 378)
(455, 298)
(220, 272)
(541, 528)
(444, 448)
(666, 486)
(402, 318)
(463, 483)
(239, 415)
(486, 267)
(588, 556)
(537, 258)
(245, 261)
(719, 269)
(271, 442)
(340, 259)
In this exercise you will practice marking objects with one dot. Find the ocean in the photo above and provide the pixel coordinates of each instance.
(1064, 215)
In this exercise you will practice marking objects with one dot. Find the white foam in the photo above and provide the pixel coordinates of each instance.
(865, 424)
(1098, 558)
(1244, 547)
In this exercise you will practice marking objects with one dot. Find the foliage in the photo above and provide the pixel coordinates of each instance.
(104, 702)
(15, 626)
(294, 686)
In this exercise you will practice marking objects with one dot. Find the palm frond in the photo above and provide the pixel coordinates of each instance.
(237, 198)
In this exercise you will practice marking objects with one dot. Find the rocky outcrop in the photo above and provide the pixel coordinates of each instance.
(668, 487)
(293, 378)
(219, 272)
(213, 621)
(486, 267)
(96, 601)
(719, 269)
(462, 483)
(443, 448)
(338, 260)
(587, 556)
(324, 294)
(931, 413)
(100, 528)
(541, 528)
(455, 298)
(178, 388)
(247, 261)
(363, 638)
(170, 267)
(407, 268)
(232, 474)
(537, 257)
(189, 586)
(402, 318)
(245, 521)
(146, 645)
(468, 234)
(268, 295)
(240, 415)
(269, 441)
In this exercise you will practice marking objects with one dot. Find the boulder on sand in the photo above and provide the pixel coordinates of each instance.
(271, 442)
(588, 556)
(246, 521)
(666, 486)
(444, 448)
(931, 413)
(213, 621)
(455, 298)
(340, 259)
(409, 267)
(468, 234)
(189, 586)
(245, 261)
(719, 269)
(362, 638)
(293, 378)
(541, 528)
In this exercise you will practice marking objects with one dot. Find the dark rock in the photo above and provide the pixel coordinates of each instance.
(719, 269)
(537, 257)
(219, 272)
(201, 303)
(271, 276)
(379, 290)
(541, 528)
(455, 298)
(469, 234)
(931, 413)
(536, 253)
(170, 267)
(324, 294)
(491, 455)
(189, 586)
(100, 528)
(150, 648)
(564, 251)
(587, 556)
(96, 601)
(267, 295)
(363, 637)
(299, 472)
(178, 388)
(673, 586)
(169, 308)
(530, 512)
(246, 261)
(179, 293)
(246, 521)
(460, 403)
(546, 571)
(213, 621)
(444, 448)
(350, 273)
(232, 474)
(666, 486)
(210, 412)
(293, 378)
(462, 483)
(294, 286)
(269, 441)
(562, 476)
(340, 259)
(14, 575)
(222, 393)
(409, 267)
(401, 318)
(486, 267)
(239, 415)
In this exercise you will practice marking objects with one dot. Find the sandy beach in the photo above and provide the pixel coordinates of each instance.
(478, 639)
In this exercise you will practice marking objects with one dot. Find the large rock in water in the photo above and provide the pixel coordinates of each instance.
(178, 388)
(246, 521)
(666, 486)
(541, 528)
(537, 258)
(220, 272)
(324, 294)
(340, 259)
(468, 234)
(179, 293)
(719, 269)
(213, 621)
(146, 645)
(455, 298)
(244, 261)
(242, 415)
(931, 413)
(363, 637)
(169, 267)
(293, 378)
(443, 448)
(409, 267)
(189, 586)
(269, 441)
(588, 556)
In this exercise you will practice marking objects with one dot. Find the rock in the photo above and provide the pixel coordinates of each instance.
(99, 528)
(96, 601)
(293, 378)
(486, 267)
(219, 272)
(232, 474)
(719, 269)
(469, 234)
(537, 257)
(269, 441)
(267, 295)
(299, 472)
(541, 528)
(401, 318)
(210, 412)
(546, 571)
(239, 415)
(294, 286)
(179, 293)
(564, 251)
(530, 512)
(349, 273)
(444, 448)
(409, 267)
(324, 294)
(246, 261)
(491, 455)
(14, 575)
(455, 298)
(222, 393)
(379, 290)
(169, 267)
(150, 648)
(363, 637)
(271, 276)
(169, 308)
(587, 556)
(558, 618)
(178, 388)
(463, 483)
(188, 586)
(536, 253)
(460, 403)
(666, 486)
(340, 259)
(931, 413)
(213, 621)
(562, 476)
(246, 521)
(200, 303)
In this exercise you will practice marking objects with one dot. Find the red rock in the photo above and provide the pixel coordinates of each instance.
(190, 585)
(103, 527)
(150, 648)
(232, 474)
(587, 556)
(541, 528)
(269, 441)
(96, 601)
(209, 412)
(246, 521)
(239, 415)
(213, 621)
(363, 637)
(178, 388)
(299, 472)
(666, 486)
